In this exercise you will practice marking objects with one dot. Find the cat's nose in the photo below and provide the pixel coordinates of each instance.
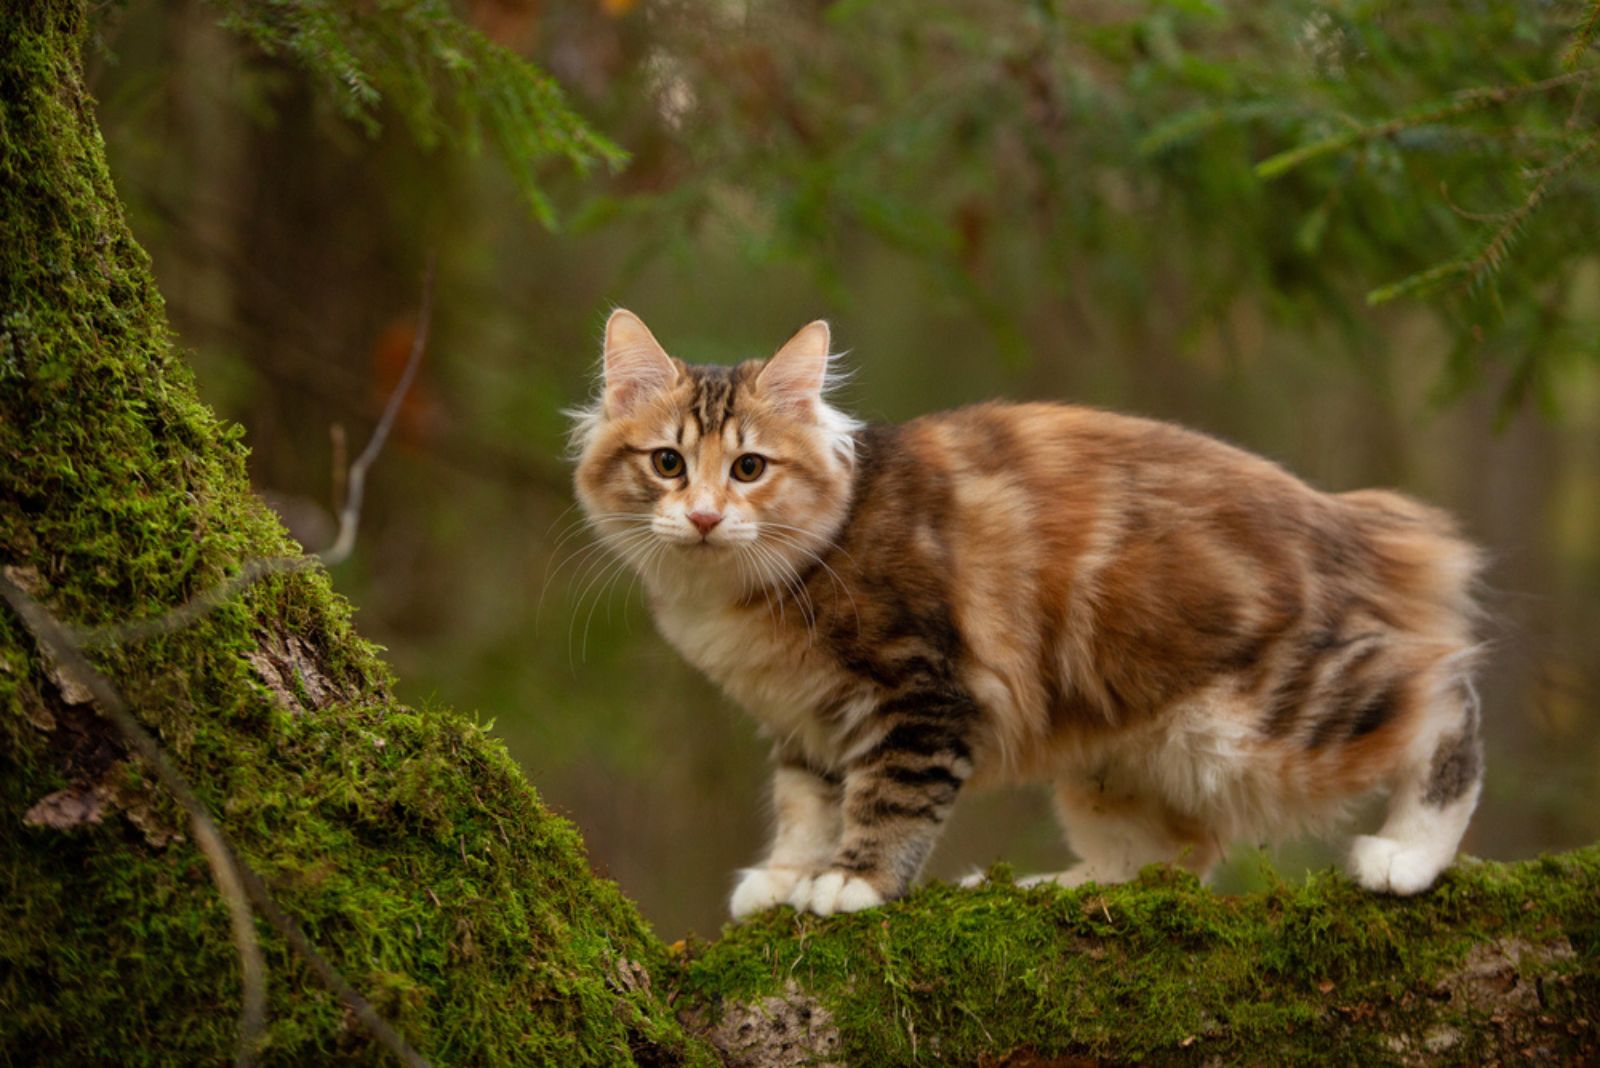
(704, 521)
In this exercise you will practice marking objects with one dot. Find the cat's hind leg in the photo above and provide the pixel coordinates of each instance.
(1116, 834)
(1430, 804)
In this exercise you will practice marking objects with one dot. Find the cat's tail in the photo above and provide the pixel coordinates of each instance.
(1430, 575)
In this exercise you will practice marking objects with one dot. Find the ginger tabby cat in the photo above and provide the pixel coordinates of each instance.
(1188, 643)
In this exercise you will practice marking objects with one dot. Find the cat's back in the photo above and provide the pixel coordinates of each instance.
(1063, 471)
(1095, 568)
(1046, 442)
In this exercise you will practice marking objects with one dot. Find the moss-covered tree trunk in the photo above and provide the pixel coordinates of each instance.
(417, 857)
(406, 843)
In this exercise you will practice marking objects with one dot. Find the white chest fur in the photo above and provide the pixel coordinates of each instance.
(771, 669)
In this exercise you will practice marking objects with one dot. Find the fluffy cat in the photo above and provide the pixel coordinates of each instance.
(1188, 643)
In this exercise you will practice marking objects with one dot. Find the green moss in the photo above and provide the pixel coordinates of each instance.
(1161, 969)
(405, 841)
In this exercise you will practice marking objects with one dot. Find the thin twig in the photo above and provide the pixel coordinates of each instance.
(200, 605)
(353, 492)
(339, 459)
(225, 870)
(356, 485)
(236, 880)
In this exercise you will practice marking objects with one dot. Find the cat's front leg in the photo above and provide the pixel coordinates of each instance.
(806, 814)
(896, 799)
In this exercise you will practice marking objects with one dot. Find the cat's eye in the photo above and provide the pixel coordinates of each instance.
(667, 462)
(748, 467)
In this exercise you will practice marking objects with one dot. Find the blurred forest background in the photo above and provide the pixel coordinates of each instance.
(1088, 202)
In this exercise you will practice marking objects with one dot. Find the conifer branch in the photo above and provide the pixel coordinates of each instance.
(1487, 260)
(1584, 37)
(446, 79)
(1463, 103)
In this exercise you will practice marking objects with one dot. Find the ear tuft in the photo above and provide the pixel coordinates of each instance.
(797, 372)
(636, 366)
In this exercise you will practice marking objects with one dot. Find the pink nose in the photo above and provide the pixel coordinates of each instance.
(704, 521)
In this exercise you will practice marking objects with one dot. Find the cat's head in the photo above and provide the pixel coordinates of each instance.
(713, 476)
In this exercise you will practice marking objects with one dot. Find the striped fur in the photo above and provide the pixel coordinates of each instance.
(1188, 643)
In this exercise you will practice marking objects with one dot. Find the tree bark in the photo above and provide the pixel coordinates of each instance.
(414, 853)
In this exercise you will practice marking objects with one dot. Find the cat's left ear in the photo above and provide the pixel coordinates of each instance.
(636, 366)
(796, 373)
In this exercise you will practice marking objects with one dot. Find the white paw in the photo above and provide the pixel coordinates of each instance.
(1076, 875)
(1044, 878)
(1386, 866)
(832, 892)
(975, 877)
(761, 889)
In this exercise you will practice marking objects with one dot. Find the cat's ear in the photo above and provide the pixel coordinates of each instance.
(636, 366)
(796, 373)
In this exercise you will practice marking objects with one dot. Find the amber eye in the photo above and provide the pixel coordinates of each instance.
(748, 467)
(667, 462)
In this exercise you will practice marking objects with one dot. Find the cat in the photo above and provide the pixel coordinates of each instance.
(1188, 643)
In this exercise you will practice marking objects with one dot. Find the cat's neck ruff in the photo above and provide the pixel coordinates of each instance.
(695, 577)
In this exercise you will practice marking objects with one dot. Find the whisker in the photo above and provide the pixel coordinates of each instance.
(796, 587)
(603, 575)
(784, 539)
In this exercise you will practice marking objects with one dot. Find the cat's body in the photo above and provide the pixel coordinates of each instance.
(1192, 646)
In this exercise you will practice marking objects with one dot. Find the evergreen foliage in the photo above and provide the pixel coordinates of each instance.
(448, 81)
(1317, 156)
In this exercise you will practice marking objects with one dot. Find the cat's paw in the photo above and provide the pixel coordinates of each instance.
(1077, 875)
(834, 891)
(762, 888)
(974, 878)
(1387, 866)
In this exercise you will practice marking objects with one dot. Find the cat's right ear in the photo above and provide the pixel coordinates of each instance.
(636, 366)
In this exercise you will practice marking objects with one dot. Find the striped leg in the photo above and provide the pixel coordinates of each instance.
(896, 798)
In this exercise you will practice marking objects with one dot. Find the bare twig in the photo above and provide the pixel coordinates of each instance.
(238, 883)
(200, 605)
(60, 648)
(340, 462)
(353, 492)
(356, 485)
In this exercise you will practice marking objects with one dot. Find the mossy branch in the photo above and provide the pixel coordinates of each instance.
(1499, 960)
